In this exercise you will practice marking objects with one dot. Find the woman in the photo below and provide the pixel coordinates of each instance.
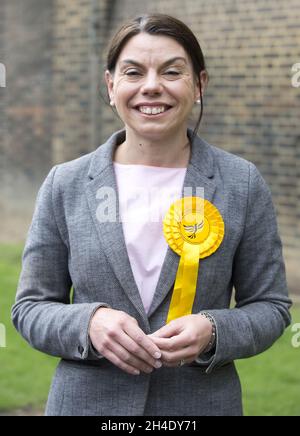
(118, 354)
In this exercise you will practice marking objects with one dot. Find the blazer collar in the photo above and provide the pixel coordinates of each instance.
(201, 156)
(200, 173)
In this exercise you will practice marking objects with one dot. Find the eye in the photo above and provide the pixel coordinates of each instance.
(172, 73)
(132, 73)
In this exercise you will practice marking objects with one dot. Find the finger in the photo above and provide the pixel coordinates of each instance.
(168, 330)
(128, 359)
(119, 363)
(174, 343)
(137, 351)
(164, 344)
(140, 338)
(175, 357)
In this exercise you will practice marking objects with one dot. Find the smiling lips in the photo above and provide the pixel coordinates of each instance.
(153, 109)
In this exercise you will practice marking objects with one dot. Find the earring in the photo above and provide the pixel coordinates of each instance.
(198, 101)
(112, 103)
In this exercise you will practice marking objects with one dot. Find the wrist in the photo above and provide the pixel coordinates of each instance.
(94, 316)
(213, 339)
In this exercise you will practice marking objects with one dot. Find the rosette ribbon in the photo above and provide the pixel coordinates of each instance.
(194, 229)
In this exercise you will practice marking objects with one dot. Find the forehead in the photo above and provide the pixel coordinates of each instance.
(152, 48)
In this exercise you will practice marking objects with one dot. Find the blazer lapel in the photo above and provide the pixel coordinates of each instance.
(110, 233)
(200, 173)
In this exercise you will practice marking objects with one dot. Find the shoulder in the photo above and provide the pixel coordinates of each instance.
(78, 172)
(232, 168)
(74, 171)
(230, 164)
(239, 175)
(65, 183)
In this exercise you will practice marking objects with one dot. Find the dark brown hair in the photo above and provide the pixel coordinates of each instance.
(159, 24)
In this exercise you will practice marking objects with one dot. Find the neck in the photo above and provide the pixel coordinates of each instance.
(171, 152)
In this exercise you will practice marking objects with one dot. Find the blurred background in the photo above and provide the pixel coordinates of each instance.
(53, 108)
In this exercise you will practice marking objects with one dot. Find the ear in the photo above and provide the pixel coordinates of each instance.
(204, 81)
(109, 80)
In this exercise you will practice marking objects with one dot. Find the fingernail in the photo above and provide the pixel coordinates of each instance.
(157, 355)
(136, 372)
(158, 364)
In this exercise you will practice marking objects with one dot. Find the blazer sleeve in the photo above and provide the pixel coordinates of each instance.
(42, 312)
(262, 304)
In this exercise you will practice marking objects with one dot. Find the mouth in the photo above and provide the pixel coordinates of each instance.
(153, 111)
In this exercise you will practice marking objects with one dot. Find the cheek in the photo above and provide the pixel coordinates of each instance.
(123, 89)
(190, 89)
(184, 90)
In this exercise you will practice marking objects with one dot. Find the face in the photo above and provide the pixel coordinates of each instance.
(153, 87)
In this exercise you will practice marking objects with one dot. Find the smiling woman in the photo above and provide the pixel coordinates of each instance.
(154, 76)
(149, 331)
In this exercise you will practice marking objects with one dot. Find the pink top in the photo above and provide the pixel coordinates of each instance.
(145, 195)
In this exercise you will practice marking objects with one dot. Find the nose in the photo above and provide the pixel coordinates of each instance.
(151, 84)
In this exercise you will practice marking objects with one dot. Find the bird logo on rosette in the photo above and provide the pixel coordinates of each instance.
(193, 224)
(193, 229)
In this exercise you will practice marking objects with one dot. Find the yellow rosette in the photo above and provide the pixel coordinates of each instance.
(194, 229)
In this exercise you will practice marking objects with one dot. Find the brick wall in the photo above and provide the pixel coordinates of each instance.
(251, 107)
(26, 146)
(80, 35)
(71, 80)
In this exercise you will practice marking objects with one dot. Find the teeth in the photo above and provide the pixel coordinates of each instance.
(151, 110)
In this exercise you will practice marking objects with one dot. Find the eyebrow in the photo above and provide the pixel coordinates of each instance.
(168, 62)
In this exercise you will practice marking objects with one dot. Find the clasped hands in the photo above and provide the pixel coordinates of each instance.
(117, 337)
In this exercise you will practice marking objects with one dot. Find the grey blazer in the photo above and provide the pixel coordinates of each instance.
(67, 246)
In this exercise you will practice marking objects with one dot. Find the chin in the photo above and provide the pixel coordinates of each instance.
(154, 133)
